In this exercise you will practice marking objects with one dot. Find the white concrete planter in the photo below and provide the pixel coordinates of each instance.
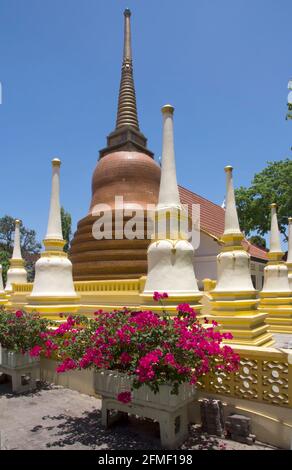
(23, 369)
(171, 411)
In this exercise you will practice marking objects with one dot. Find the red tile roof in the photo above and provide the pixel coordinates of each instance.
(212, 220)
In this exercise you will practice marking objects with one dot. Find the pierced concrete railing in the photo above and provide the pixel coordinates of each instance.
(265, 376)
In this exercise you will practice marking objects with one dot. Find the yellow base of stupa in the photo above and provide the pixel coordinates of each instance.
(237, 314)
(278, 306)
(95, 295)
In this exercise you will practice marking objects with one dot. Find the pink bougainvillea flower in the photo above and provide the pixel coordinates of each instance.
(125, 358)
(19, 314)
(159, 296)
(186, 308)
(67, 364)
(98, 312)
(35, 351)
(124, 397)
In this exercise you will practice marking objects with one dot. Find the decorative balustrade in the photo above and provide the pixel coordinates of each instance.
(265, 375)
(25, 287)
(123, 285)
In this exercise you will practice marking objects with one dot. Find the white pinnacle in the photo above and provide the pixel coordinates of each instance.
(275, 240)
(16, 246)
(16, 272)
(54, 230)
(170, 256)
(289, 257)
(168, 191)
(231, 217)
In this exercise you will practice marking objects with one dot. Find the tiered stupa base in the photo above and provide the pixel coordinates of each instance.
(3, 299)
(278, 306)
(236, 312)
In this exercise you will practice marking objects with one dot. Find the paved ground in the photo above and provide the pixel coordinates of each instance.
(57, 418)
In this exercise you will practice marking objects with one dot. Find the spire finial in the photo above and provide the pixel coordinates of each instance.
(16, 246)
(127, 36)
(127, 134)
(54, 230)
(127, 109)
(168, 191)
(231, 217)
(275, 241)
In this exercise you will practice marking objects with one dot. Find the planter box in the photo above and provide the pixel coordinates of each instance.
(23, 369)
(171, 411)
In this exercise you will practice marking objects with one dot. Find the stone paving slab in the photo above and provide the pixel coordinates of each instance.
(54, 417)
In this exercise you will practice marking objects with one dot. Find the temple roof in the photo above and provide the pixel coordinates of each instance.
(212, 220)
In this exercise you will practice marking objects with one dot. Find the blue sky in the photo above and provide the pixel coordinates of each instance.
(224, 65)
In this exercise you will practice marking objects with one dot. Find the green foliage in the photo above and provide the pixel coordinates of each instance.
(66, 227)
(273, 184)
(21, 331)
(28, 242)
(4, 261)
(257, 240)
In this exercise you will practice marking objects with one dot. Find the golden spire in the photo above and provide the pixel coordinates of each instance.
(127, 108)
(127, 135)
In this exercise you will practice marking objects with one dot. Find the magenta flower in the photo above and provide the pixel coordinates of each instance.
(159, 296)
(35, 351)
(125, 358)
(124, 397)
(18, 314)
(67, 364)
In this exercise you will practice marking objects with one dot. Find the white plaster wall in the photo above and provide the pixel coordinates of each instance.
(205, 259)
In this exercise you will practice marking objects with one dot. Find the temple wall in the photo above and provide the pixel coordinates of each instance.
(271, 424)
(262, 390)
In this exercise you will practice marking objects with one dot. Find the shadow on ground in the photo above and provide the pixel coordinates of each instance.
(6, 388)
(87, 431)
(134, 433)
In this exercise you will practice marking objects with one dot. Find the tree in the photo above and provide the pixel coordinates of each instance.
(273, 184)
(66, 227)
(28, 242)
(257, 240)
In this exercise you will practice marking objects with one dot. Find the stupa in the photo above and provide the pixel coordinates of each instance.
(234, 299)
(16, 272)
(276, 296)
(126, 169)
(53, 289)
(170, 254)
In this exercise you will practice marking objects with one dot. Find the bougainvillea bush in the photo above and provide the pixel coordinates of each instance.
(154, 349)
(21, 331)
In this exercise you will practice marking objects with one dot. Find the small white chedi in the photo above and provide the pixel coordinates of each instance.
(234, 299)
(276, 295)
(170, 255)
(276, 271)
(16, 272)
(53, 284)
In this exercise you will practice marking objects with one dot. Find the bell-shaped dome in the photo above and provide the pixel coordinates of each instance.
(134, 177)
